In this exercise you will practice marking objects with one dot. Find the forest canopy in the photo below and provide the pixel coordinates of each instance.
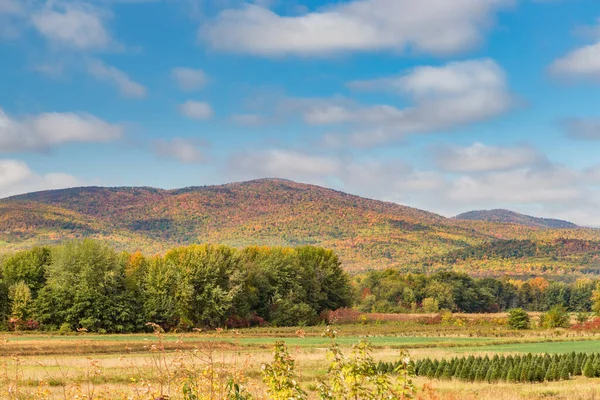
(87, 285)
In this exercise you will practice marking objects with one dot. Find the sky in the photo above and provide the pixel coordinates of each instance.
(446, 106)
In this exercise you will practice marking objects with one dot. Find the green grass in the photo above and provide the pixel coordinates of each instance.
(585, 346)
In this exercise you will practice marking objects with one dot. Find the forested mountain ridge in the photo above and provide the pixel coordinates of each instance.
(507, 216)
(367, 234)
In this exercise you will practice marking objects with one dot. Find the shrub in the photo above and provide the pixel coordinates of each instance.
(519, 319)
(556, 317)
(341, 316)
(430, 305)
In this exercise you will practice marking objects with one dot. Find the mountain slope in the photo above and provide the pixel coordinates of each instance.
(365, 233)
(507, 216)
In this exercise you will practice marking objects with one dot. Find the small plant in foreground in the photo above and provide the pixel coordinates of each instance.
(279, 376)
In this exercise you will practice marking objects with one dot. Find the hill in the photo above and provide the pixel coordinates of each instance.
(367, 234)
(507, 216)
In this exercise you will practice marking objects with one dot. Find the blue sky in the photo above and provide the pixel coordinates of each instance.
(444, 106)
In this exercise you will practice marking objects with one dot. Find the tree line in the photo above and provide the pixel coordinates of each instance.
(391, 291)
(87, 285)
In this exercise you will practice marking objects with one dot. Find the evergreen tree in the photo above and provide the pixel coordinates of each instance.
(524, 372)
(588, 369)
(447, 373)
(511, 376)
(550, 372)
(440, 369)
(564, 372)
(532, 371)
(481, 372)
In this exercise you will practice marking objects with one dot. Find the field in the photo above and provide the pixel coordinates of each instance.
(144, 366)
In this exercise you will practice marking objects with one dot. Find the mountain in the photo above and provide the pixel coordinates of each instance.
(511, 217)
(367, 234)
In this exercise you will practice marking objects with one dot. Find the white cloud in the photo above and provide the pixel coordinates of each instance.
(196, 110)
(289, 164)
(582, 128)
(184, 150)
(107, 73)
(16, 178)
(555, 184)
(479, 157)
(189, 79)
(73, 25)
(248, 119)
(444, 98)
(432, 26)
(47, 130)
(580, 63)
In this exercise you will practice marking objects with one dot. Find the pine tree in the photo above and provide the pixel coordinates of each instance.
(482, 371)
(511, 376)
(588, 369)
(564, 372)
(440, 369)
(475, 369)
(490, 372)
(596, 366)
(550, 372)
(494, 373)
(466, 370)
(531, 373)
(458, 368)
(504, 368)
(524, 372)
(447, 372)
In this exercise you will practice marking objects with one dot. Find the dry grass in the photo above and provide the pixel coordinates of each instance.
(142, 366)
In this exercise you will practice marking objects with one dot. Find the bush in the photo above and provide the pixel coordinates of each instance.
(430, 305)
(341, 316)
(556, 317)
(519, 319)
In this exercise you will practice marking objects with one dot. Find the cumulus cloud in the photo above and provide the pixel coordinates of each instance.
(184, 150)
(196, 110)
(479, 157)
(289, 164)
(106, 73)
(16, 178)
(444, 98)
(554, 184)
(582, 128)
(73, 25)
(189, 79)
(47, 130)
(438, 27)
(581, 63)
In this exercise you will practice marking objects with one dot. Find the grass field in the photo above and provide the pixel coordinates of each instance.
(143, 366)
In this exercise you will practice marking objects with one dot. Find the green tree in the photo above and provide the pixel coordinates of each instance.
(20, 301)
(86, 289)
(160, 293)
(519, 319)
(27, 266)
(588, 369)
(209, 280)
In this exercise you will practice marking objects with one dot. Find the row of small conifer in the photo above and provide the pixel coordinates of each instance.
(529, 368)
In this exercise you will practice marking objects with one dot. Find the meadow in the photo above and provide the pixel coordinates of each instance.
(151, 366)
